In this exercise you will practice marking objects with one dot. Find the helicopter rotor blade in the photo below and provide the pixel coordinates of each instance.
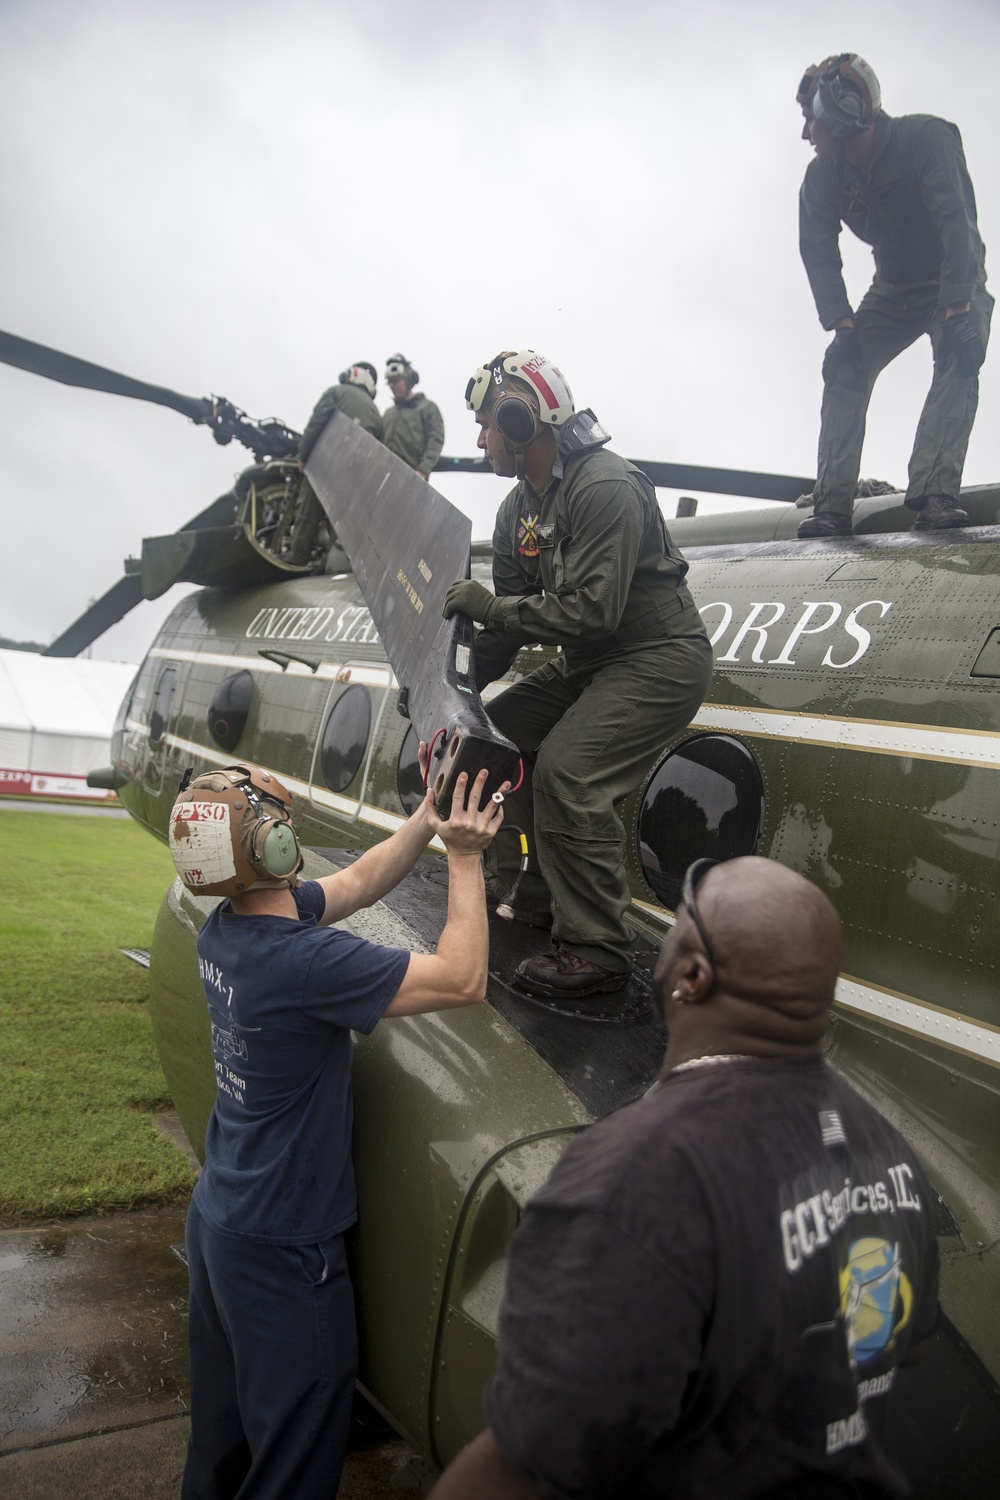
(274, 439)
(711, 481)
(265, 439)
(785, 487)
(126, 593)
(38, 359)
(102, 614)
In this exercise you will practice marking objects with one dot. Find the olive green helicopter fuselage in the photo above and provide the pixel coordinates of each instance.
(852, 731)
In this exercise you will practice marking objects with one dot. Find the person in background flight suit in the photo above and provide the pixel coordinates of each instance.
(414, 427)
(903, 187)
(354, 395)
(582, 559)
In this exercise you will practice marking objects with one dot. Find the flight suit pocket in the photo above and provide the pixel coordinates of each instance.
(549, 556)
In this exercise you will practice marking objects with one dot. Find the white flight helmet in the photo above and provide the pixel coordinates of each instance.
(523, 394)
(362, 374)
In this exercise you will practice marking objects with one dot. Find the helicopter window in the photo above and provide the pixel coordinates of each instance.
(125, 707)
(228, 710)
(345, 737)
(706, 799)
(161, 705)
(409, 782)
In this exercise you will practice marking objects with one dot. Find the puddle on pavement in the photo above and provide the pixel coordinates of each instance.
(92, 1324)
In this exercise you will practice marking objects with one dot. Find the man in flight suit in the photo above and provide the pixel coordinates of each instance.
(582, 560)
(354, 395)
(414, 426)
(902, 186)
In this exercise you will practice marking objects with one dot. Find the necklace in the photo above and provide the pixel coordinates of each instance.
(712, 1057)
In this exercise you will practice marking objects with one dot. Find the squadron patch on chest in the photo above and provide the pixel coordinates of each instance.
(527, 534)
(855, 203)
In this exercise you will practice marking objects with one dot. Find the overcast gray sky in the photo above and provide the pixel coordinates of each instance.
(241, 196)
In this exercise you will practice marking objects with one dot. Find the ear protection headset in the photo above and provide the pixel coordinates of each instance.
(529, 394)
(398, 367)
(231, 831)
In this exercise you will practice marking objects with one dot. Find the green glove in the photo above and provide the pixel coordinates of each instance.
(470, 598)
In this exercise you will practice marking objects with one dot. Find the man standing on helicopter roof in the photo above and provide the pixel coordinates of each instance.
(414, 426)
(354, 395)
(903, 187)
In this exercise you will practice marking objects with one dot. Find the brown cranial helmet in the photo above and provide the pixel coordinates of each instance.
(231, 831)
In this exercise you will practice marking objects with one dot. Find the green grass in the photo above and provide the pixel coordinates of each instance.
(79, 1074)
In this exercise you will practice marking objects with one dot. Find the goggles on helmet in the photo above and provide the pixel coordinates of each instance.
(398, 367)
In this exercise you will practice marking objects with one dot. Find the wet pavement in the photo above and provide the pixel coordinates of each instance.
(93, 1382)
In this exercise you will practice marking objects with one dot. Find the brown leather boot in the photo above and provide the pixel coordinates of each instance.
(827, 523)
(939, 512)
(559, 973)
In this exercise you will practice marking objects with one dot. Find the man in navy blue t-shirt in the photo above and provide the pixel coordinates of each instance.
(271, 1327)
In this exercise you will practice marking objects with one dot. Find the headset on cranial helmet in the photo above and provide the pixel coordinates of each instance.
(231, 831)
(523, 394)
(398, 367)
(361, 373)
(842, 93)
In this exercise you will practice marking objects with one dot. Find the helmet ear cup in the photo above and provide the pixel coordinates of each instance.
(514, 420)
(276, 849)
(839, 103)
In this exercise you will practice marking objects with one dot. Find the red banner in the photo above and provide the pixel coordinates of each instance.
(43, 784)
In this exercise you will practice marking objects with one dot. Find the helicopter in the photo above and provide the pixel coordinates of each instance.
(852, 732)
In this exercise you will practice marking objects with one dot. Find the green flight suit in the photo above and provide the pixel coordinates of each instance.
(914, 204)
(589, 566)
(355, 403)
(414, 431)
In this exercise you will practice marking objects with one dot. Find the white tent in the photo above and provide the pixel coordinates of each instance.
(56, 717)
